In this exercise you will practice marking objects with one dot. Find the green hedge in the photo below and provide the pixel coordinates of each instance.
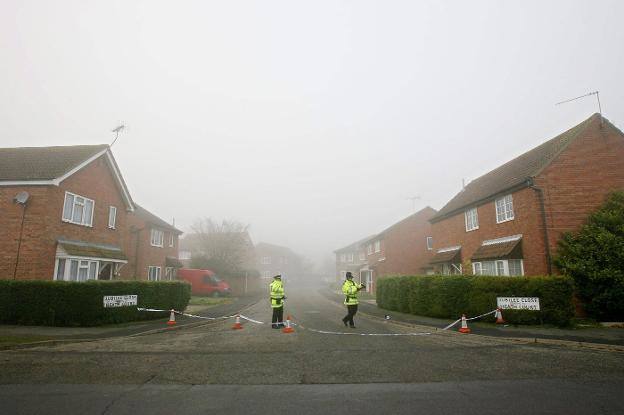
(452, 296)
(61, 303)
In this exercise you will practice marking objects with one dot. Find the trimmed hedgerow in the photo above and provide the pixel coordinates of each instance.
(62, 303)
(452, 296)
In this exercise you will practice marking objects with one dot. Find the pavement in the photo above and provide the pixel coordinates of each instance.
(613, 335)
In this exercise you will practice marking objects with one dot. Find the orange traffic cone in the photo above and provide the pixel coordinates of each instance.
(237, 325)
(464, 325)
(288, 329)
(499, 316)
(171, 321)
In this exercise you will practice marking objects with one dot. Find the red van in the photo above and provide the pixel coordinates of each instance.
(204, 282)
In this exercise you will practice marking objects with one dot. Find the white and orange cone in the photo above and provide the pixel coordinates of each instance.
(499, 316)
(288, 329)
(171, 321)
(464, 325)
(237, 325)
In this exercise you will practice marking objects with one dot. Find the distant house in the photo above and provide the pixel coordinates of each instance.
(73, 218)
(153, 244)
(274, 259)
(404, 248)
(353, 258)
(508, 221)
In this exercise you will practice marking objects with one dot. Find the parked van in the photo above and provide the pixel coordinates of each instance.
(204, 282)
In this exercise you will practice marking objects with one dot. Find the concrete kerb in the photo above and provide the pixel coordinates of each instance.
(51, 343)
(523, 340)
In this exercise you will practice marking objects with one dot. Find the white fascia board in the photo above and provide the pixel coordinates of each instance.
(122, 184)
(28, 183)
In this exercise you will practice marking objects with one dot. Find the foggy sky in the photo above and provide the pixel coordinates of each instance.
(311, 121)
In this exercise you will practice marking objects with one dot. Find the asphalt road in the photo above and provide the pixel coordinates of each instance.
(214, 369)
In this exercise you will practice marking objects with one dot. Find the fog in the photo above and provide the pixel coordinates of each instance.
(313, 122)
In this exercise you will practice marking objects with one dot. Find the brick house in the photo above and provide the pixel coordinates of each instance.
(152, 246)
(274, 259)
(74, 224)
(508, 221)
(403, 248)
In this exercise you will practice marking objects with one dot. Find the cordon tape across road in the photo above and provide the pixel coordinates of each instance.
(316, 330)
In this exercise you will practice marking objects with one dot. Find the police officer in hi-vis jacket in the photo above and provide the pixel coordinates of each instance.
(276, 290)
(350, 290)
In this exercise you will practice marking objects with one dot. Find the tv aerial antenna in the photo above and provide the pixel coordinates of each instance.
(413, 199)
(117, 131)
(597, 93)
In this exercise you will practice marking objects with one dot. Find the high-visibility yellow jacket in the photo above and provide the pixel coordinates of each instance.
(277, 294)
(350, 290)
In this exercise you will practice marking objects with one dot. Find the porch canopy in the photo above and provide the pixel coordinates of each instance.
(450, 254)
(90, 250)
(500, 248)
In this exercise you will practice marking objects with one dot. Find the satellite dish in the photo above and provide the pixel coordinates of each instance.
(22, 198)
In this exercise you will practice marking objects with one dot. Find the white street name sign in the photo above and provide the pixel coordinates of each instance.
(518, 303)
(120, 301)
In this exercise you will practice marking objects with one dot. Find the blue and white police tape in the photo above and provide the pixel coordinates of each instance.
(201, 317)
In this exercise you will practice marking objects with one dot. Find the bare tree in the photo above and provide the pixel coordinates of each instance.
(227, 243)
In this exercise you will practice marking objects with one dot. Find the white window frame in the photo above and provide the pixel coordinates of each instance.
(171, 240)
(350, 257)
(377, 246)
(343, 258)
(112, 217)
(169, 273)
(157, 237)
(429, 243)
(80, 201)
(369, 249)
(500, 267)
(266, 274)
(362, 256)
(504, 209)
(154, 273)
(471, 217)
(82, 263)
(266, 260)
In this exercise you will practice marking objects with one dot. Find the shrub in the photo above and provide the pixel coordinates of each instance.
(62, 303)
(452, 296)
(594, 258)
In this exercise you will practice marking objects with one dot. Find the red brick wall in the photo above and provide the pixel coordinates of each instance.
(405, 246)
(452, 231)
(146, 255)
(43, 223)
(577, 182)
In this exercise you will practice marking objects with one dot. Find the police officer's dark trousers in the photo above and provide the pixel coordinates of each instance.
(351, 310)
(278, 315)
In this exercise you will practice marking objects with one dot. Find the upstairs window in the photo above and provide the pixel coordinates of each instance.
(78, 210)
(343, 257)
(504, 209)
(112, 217)
(265, 260)
(349, 257)
(171, 240)
(362, 255)
(369, 249)
(472, 219)
(157, 238)
(429, 243)
(377, 246)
